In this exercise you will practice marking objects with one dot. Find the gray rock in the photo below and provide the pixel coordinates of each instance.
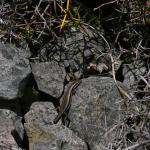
(132, 73)
(44, 135)
(19, 132)
(49, 77)
(15, 71)
(96, 108)
(24, 49)
(7, 119)
(41, 113)
(77, 49)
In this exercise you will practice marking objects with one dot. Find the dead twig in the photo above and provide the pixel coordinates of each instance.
(145, 81)
(113, 128)
(137, 145)
(111, 2)
(122, 91)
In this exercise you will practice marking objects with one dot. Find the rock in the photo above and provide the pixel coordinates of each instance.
(7, 119)
(24, 49)
(41, 113)
(132, 73)
(75, 49)
(44, 135)
(19, 133)
(15, 71)
(96, 108)
(11, 118)
(49, 77)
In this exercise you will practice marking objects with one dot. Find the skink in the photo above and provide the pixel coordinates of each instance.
(67, 99)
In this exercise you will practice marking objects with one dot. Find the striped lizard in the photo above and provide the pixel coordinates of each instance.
(67, 99)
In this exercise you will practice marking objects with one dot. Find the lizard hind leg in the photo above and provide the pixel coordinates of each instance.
(65, 119)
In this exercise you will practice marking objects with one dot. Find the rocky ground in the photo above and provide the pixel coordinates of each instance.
(109, 109)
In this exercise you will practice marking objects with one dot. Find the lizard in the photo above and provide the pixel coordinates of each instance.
(66, 99)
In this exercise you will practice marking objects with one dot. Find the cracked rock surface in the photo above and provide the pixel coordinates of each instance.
(7, 121)
(45, 135)
(15, 70)
(49, 77)
(96, 107)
